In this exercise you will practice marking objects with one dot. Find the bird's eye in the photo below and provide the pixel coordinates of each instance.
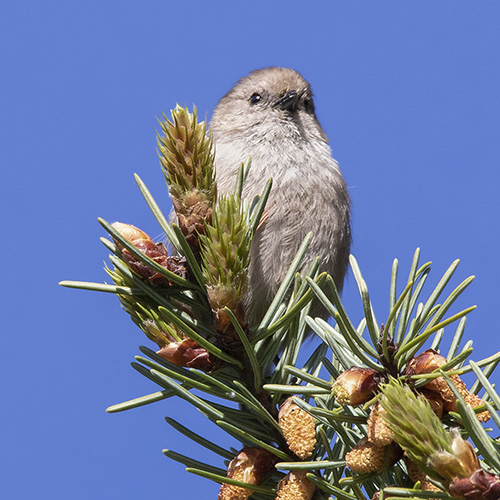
(255, 98)
(309, 106)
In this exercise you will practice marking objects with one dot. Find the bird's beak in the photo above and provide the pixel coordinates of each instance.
(288, 102)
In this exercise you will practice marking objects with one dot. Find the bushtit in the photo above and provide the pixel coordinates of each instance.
(269, 116)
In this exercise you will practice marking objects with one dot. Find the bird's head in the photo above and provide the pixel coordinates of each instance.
(264, 99)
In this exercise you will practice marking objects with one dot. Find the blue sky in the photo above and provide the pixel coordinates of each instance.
(408, 93)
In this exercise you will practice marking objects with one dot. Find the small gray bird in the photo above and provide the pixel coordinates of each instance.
(269, 116)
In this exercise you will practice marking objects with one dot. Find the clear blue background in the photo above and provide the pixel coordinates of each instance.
(408, 93)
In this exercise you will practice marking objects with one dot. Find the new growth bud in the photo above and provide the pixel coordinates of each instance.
(438, 388)
(444, 456)
(249, 466)
(155, 251)
(415, 426)
(187, 353)
(186, 155)
(225, 251)
(479, 486)
(355, 386)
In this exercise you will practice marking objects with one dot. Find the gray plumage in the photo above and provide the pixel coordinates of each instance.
(269, 116)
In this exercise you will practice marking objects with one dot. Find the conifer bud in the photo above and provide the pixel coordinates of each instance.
(444, 456)
(155, 251)
(249, 466)
(298, 428)
(416, 428)
(425, 362)
(187, 157)
(481, 485)
(225, 252)
(187, 353)
(430, 361)
(355, 386)
(295, 486)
